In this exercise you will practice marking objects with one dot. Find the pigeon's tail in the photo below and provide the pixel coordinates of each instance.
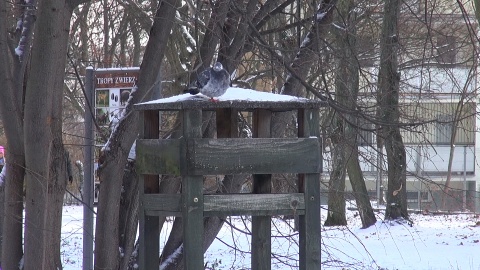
(192, 90)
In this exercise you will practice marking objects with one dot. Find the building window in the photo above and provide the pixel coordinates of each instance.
(365, 132)
(446, 50)
(444, 129)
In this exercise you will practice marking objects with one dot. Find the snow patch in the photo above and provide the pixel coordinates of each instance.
(232, 94)
(20, 263)
(3, 177)
(172, 257)
(132, 154)
(19, 24)
(321, 15)
(118, 69)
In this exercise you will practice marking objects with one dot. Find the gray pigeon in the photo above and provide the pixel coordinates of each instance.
(213, 82)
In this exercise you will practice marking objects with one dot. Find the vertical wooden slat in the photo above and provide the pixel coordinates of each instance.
(309, 184)
(262, 183)
(227, 124)
(149, 225)
(192, 200)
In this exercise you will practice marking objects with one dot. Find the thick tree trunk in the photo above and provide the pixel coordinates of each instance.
(347, 86)
(12, 118)
(128, 216)
(388, 101)
(359, 188)
(336, 184)
(34, 131)
(114, 158)
(44, 153)
(13, 211)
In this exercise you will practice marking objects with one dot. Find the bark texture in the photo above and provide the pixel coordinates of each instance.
(128, 215)
(11, 106)
(347, 86)
(389, 114)
(115, 157)
(44, 153)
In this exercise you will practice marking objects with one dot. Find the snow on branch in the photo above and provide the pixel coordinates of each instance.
(3, 175)
(25, 24)
(320, 17)
(172, 257)
(302, 61)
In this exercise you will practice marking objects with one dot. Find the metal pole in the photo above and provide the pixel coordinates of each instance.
(89, 173)
(379, 176)
(419, 174)
(464, 205)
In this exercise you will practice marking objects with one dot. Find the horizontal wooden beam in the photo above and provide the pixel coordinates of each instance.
(229, 156)
(243, 105)
(163, 202)
(229, 204)
(155, 156)
(254, 204)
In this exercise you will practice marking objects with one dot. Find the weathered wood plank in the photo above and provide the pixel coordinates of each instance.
(227, 124)
(259, 156)
(192, 200)
(150, 227)
(262, 183)
(163, 202)
(309, 223)
(159, 156)
(229, 156)
(240, 212)
(228, 204)
(253, 204)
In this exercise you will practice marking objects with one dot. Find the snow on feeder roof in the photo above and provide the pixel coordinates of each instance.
(238, 98)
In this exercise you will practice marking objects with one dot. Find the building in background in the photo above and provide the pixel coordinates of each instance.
(439, 105)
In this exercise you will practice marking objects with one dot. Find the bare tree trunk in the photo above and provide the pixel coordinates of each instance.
(359, 188)
(107, 60)
(128, 216)
(32, 114)
(455, 121)
(388, 100)
(2, 217)
(343, 81)
(13, 208)
(115, 157)
(347, 85)
(11, 96)
(213, 33)
(44, 153)
(336, 184)
(308, 55)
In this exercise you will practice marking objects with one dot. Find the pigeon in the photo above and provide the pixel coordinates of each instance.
(213, 82)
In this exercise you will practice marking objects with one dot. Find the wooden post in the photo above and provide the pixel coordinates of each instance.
(192, 200)
(309, 184)
(262, 183)
(227, 126)
(149, 225)
(193, 157)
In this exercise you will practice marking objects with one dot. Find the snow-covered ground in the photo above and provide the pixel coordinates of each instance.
(432, 243)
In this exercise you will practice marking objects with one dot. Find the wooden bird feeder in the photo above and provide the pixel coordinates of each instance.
(192, 157)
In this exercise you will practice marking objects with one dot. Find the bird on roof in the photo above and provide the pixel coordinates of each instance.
(212, 82)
